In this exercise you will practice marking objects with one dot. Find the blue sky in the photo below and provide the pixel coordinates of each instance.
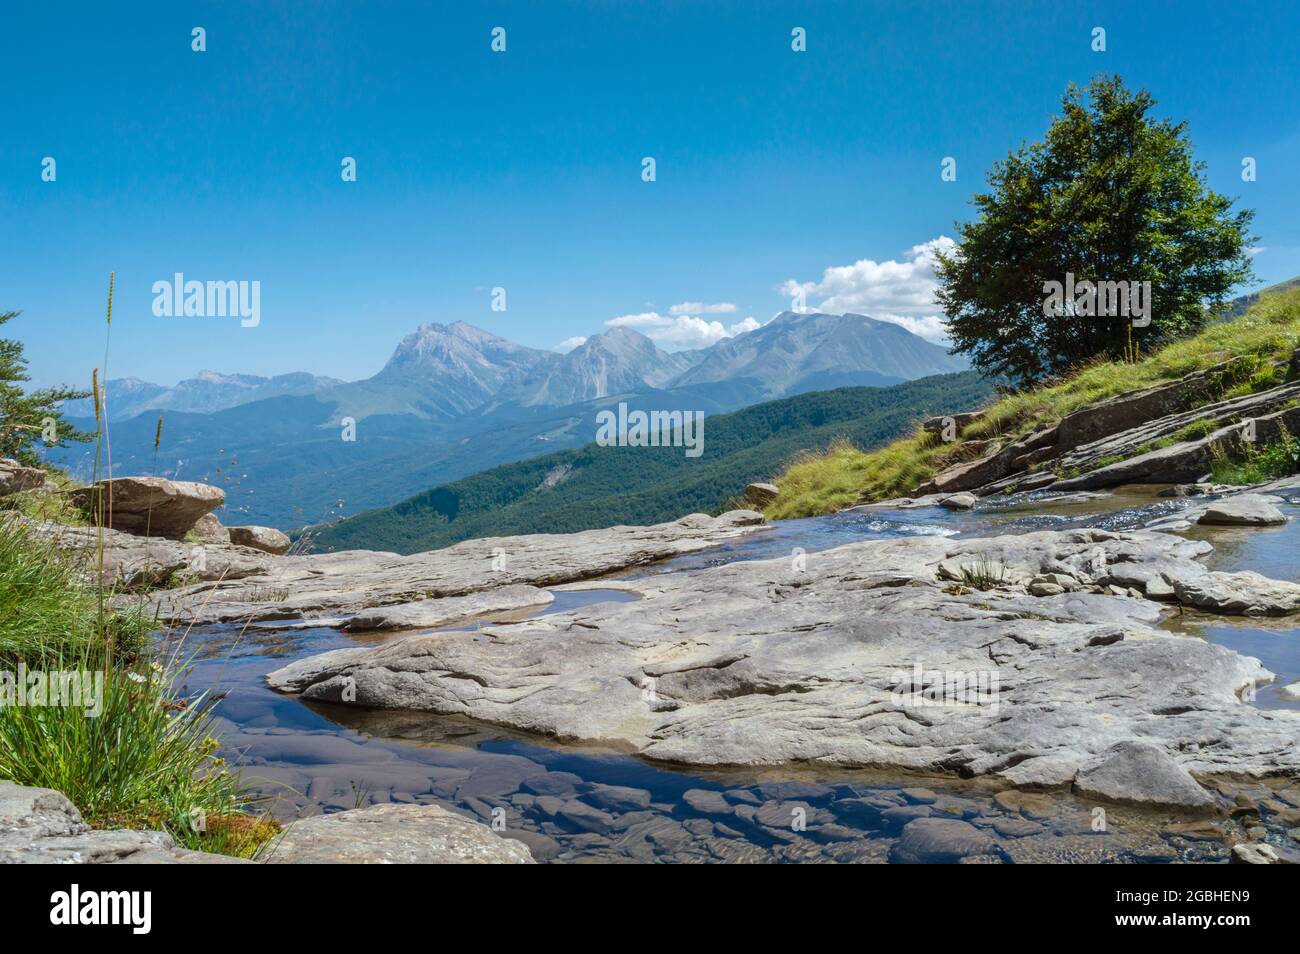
(522, 170)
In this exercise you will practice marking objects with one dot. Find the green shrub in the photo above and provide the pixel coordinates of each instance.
(1248, 464)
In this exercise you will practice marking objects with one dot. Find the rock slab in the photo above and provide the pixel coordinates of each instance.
(392, 834)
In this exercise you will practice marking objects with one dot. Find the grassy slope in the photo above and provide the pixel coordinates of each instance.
(1269, 330)
(628, 485)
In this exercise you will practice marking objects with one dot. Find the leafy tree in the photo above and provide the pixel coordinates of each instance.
(1110, 195)
(25, 416)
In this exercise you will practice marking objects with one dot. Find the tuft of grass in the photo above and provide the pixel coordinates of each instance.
(984, 574)
(1257, 347)
(146, 757)
(47, 610)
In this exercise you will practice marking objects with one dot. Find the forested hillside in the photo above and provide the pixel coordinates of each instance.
(595, 486)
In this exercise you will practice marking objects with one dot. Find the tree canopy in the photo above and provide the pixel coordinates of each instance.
(1111, 194)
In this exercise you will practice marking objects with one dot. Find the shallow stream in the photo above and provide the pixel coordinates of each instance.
(583, 803)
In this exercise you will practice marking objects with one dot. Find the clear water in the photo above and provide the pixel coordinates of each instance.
(306, 758)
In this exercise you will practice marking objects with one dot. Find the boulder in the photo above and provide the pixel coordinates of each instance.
(390, 834)
(1141, 774)
(760, 495)
(152, 505)
(15, 478)
(1243, 510)
(962, 501)
(265, 539)
(40, 826)
(208, 529)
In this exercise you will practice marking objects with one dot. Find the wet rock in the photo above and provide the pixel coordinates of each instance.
(1243, 510)
(616, 798)
(940, 841)
(1142, 774)
(393, 834)
(580, 815)
(551, 783)
(962, 501)
(266, 539)
(900, 816)
(707, 802)
(1260, 853)
(153, 505)
(920, 796)
(1024, 803)
(1291, 692)
(760, 495)
(41, 826)
(1017, 827)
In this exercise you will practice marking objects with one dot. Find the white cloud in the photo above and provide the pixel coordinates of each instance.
(892, 290)
(700, 308)
(568, 344)
(678, 332)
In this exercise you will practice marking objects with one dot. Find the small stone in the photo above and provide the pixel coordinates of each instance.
(706, 802)
(266, 539)
(940, 840)
(617, 798)
(962, 501)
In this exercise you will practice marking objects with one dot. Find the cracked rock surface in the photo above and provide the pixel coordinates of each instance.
(860, 660)
(334, 588)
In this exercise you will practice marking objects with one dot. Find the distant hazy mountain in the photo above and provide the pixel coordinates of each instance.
(616, 362)
(794, 351)
(454, 400)
(206, 392)
(451, 369)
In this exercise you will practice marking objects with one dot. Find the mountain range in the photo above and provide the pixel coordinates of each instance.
(455, 399)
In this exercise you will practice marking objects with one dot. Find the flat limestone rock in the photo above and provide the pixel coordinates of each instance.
(836, 662)
(429, 614)
(1243, 510)
(1142, 774)
(333, 587)
(131, 561)
(391, 834)
(1245, 593)
(40, 826)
